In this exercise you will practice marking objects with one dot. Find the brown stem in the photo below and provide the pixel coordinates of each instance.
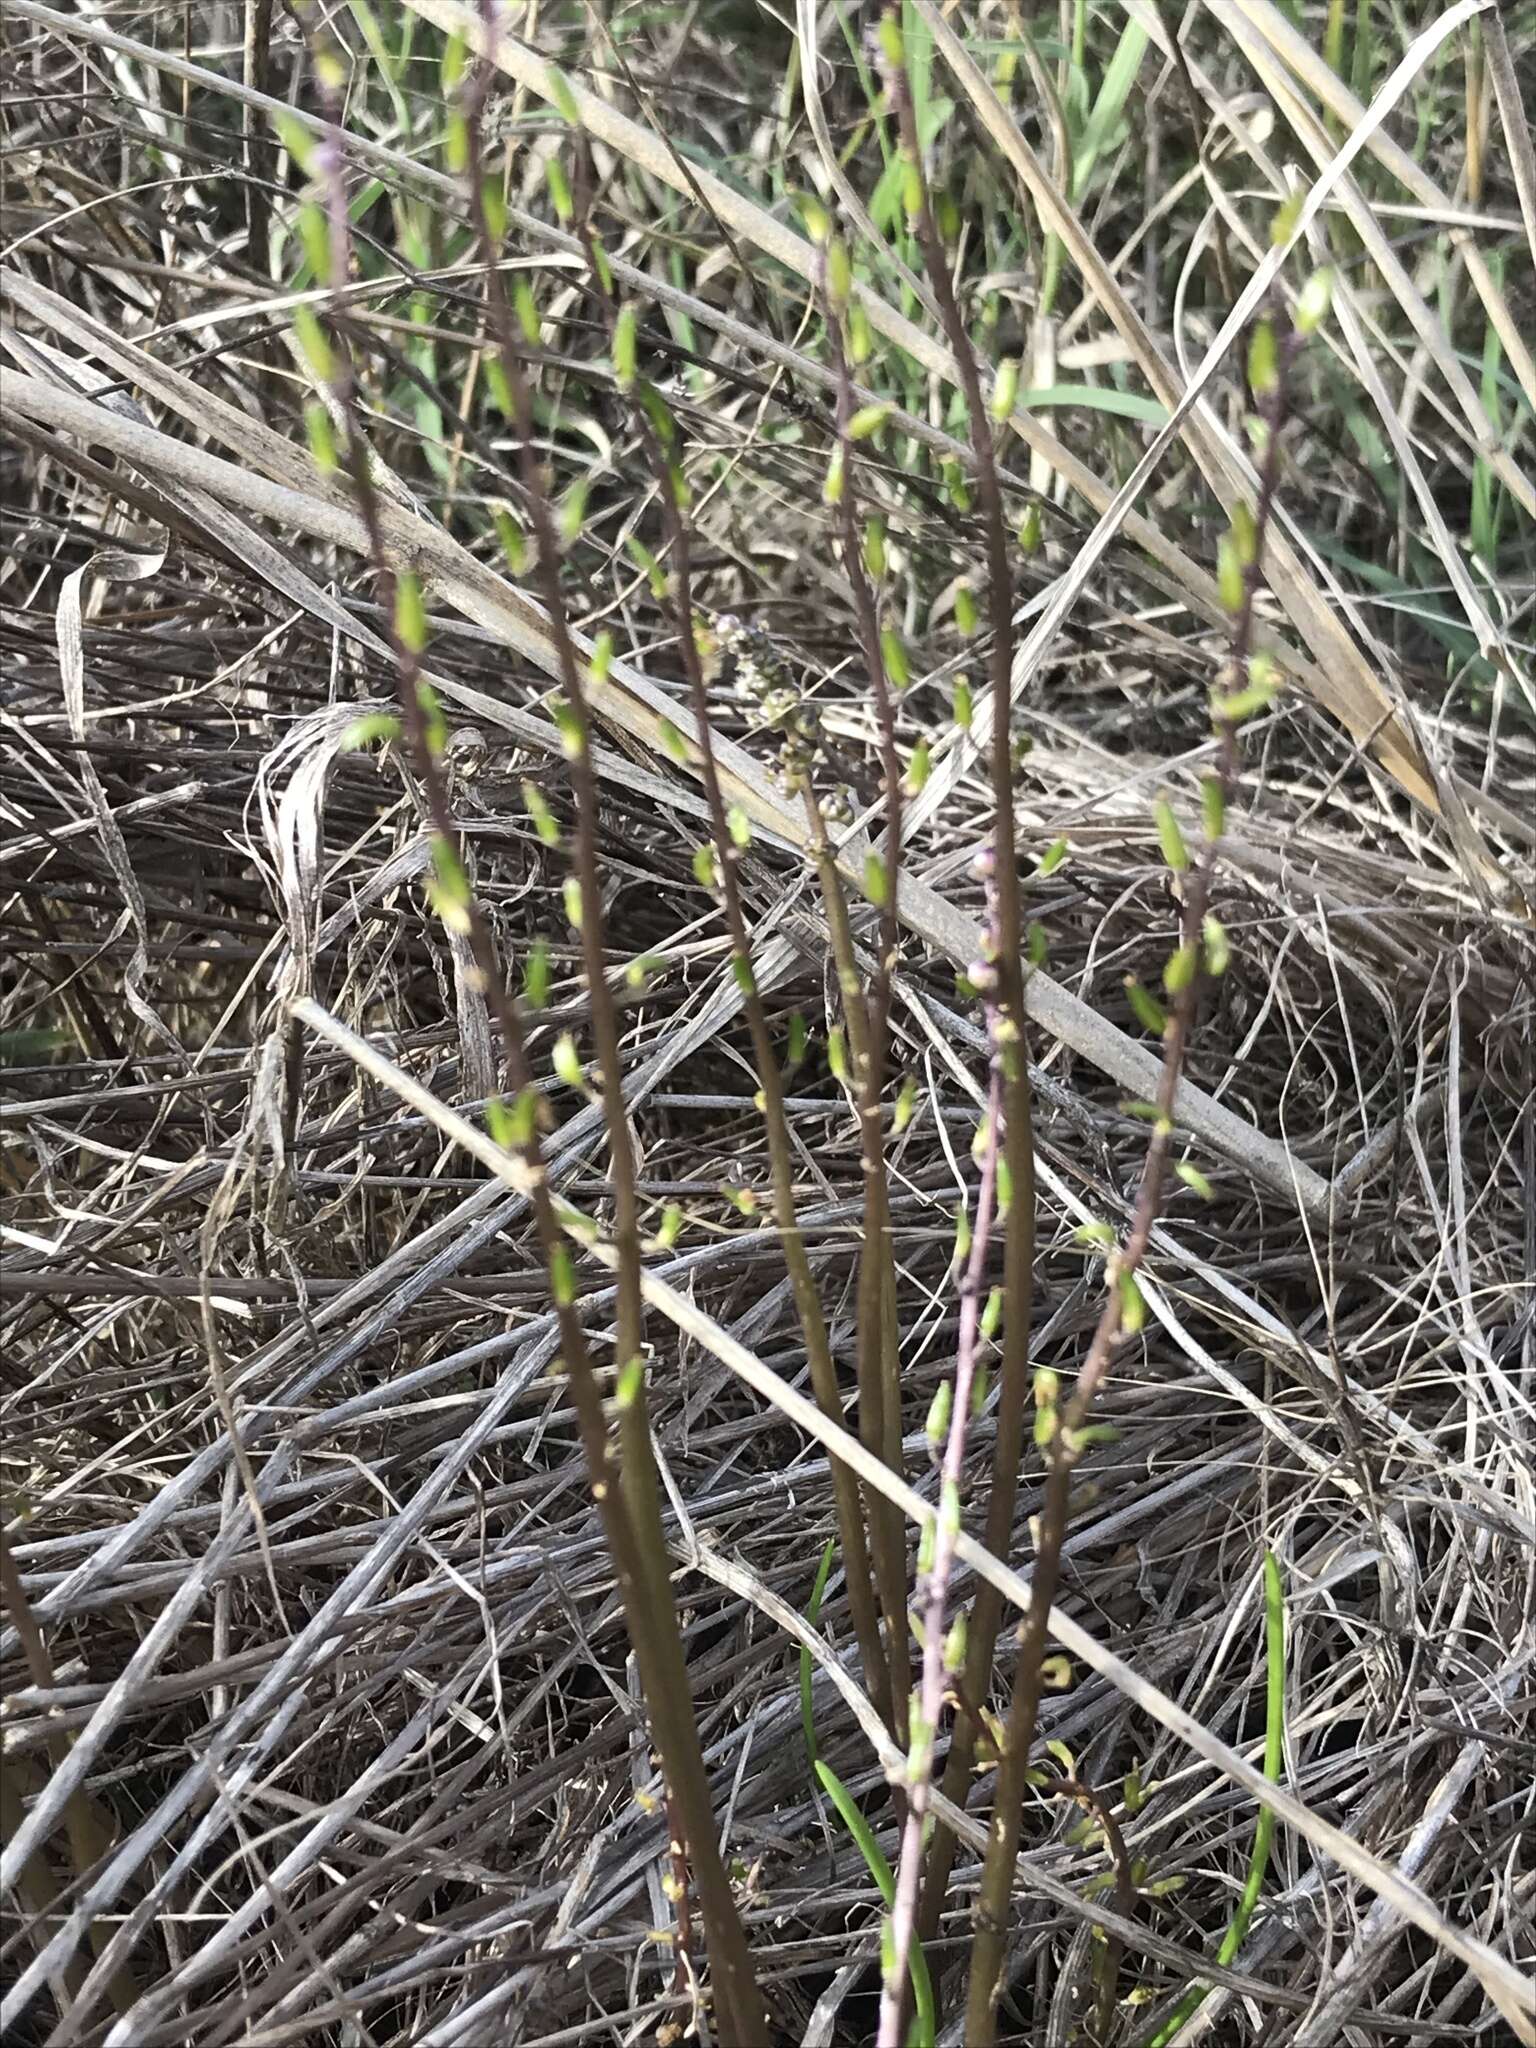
(1018, 1130)
(1066, 1444)
(88, 1834)
(624, 1489)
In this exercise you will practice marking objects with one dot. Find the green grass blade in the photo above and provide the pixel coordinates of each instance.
(1125, 405)
(1109, 107)
(925, 2022)
(1264, 1832)
(807, 1664)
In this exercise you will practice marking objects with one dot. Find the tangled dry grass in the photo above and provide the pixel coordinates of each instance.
(368, 1763)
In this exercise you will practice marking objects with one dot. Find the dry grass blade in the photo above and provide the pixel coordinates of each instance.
(1505, 1985)
(1338, 675)
(628, 701)
(339, 1667)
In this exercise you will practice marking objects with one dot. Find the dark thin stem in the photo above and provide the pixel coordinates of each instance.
(933, 1597)
(1107, 1965)
(1066, 1443)
(879, 1338)
(1018, 1158)
(770, 1081)
(625, 1488)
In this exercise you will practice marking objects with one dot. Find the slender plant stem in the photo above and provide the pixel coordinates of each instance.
(1065, 1439)
(86, 1829)
(879, 1335)
(939, 1651)
(624, 1487)
(1003, 974)
(770, 1081)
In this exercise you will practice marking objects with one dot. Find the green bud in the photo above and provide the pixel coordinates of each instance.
(493, 203)
(298, 140)
(315, 233)
(919, 768)
(626, 346)
(861, 339)
(562, 96)
(1192, 1177)
(1231, 585)
(939, 1412)
(894, 655)
(906, 1104)
(1315, 300)
(1213, 807)
(1263, 362)
(1218, 952)
(837, 1054)
(371, 727)
(1287, 214)
(568, 723)
(1149, 1012)
(814, 217)
(499, 385)
(1005, 390)
(1170, 837)
(455, 61)
(536, 976)
(562, 1277)
(322, 437)
(543, 818)
(314, 343)
(839, 275)
(965, 609)
(456, 142)
(867, 422)
(559, 190)
(514, 544)
(1133, 1305)
(1180, 970)
(572, 511)
(410, 613)
(875, 879)
(1030, 531)
(571, 895)
(567, 1062)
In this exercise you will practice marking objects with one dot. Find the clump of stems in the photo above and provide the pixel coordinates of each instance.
(622, 1474)
(1008, 1143)
(879, 1357)
(729, 836)
(1063, 1427)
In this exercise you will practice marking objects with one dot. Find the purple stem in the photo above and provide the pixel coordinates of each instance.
(934, 1597)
